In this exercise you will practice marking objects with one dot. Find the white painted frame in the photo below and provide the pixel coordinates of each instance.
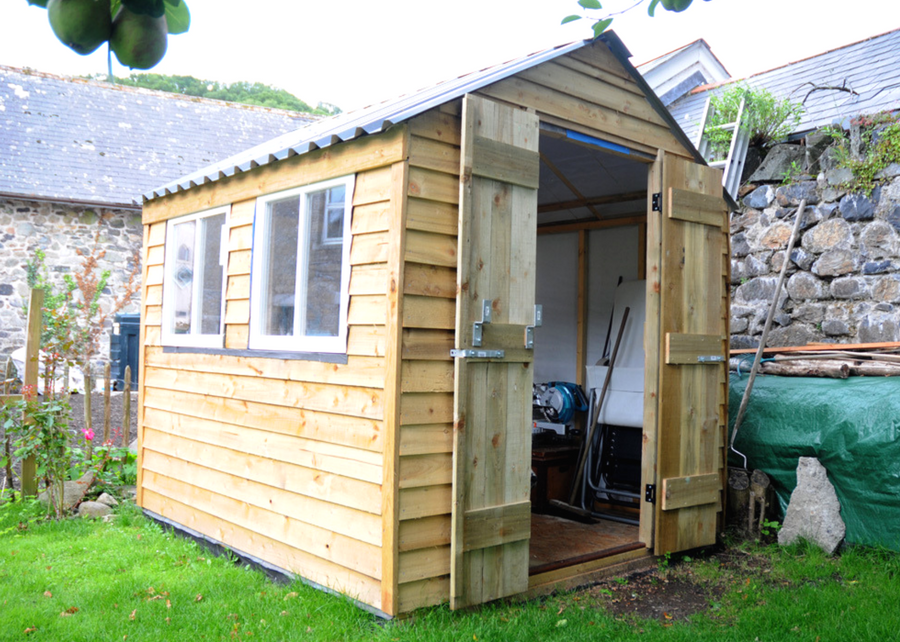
(298, 342)
(192, 339)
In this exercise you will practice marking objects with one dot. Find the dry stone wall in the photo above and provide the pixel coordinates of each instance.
(59, 230)
(843, 278)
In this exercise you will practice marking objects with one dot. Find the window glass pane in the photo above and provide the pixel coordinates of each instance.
(281, 269)
(325, 210)
(211, 296)
(183, 277)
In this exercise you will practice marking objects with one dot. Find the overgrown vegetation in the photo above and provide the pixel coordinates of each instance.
(81, 580)
(766, 117)
(247, 93)
(872, 144)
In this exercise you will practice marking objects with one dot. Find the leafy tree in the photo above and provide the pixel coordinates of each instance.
(602, 23)
(248, 93)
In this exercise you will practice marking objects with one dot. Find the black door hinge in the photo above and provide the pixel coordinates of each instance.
(657, 202)
(650, 494)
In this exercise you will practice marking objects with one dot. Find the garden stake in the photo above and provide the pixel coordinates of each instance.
(762, 340)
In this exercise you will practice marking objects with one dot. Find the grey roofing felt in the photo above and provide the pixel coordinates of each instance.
(84, 141)
(379, 117)
(870, 69)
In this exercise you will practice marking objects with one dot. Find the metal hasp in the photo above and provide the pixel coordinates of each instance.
(529, 329)
(657, 202)
(478, 354)
(650, 493)
(711, 358)
(477, 326)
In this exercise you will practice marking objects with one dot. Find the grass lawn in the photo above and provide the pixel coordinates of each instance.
(130, 580)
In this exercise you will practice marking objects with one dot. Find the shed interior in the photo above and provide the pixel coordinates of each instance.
(592, 204)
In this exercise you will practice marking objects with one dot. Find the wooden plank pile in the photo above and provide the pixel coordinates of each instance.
(837, 361)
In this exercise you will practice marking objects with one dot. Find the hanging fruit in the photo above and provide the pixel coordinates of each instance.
(137, 30)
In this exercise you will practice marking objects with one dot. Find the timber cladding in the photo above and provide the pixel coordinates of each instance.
(285, 459)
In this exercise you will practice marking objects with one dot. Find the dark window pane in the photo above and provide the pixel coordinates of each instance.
(325, 210)
(281, 268)
(211, 296)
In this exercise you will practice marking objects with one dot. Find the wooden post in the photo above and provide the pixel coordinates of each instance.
(88, 387)
(107, 386)
(8, 375)
(32, 363)
(126, 409)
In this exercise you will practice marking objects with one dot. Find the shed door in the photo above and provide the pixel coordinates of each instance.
(491, 522)
(694, 269)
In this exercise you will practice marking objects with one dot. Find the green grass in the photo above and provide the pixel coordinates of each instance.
(130, 578)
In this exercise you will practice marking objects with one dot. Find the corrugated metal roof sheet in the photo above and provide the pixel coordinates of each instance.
(869, 69)
(368, 120)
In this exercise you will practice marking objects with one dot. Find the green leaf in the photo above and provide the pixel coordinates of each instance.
(38, 3)
(154, 8)
(569, 19)
(178, 18)
(652, 7)
(600, 26)
(590, 4)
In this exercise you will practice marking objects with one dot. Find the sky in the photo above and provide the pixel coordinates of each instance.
(354, 52)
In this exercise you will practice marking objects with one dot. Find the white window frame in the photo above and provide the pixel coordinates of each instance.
(259, 263)
(192, 339)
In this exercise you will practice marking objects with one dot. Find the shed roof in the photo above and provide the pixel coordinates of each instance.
(379, 117)
(78, 140)
(859, 78)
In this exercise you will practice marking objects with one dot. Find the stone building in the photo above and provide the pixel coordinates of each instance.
(75, 157)
(843, 281)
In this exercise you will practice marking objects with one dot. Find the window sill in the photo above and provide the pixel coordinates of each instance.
(324, 357)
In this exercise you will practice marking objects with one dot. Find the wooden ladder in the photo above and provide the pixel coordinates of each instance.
(732, 165)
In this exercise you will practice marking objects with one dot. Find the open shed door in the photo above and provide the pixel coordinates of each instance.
(491, 521)
(694, 272)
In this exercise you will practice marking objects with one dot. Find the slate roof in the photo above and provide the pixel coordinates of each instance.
(870, 69)
(378, 118)
(84, 141)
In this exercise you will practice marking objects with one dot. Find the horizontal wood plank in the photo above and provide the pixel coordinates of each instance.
(428, 312)
(695, 207)
(372, 186)
(426, 408)
(696, 490)
(309, 482)
(238, 287)
(154, 275)
(237, 312)
(485, 527)
(367, 310)
(431, 249)
(240, 238)
(157, 234)
(244, 540)
(506, 163)
(438, 126)
(366, 340)
(355, 524)
(426, 501)
(429, 280)
(426, 470)
(369, 280)
(434, 186)
(373, 217)
(416, 595)
(694, 349)
(242, 212)
(424, 533)
(352, 432)
(432, 216)
(239, 262)
(369, 248)
(330, 398)
(237, 337)
(156, 255)
(435, 155)
(424, 563)
(426, 344)
(426, 376)
(427, 439)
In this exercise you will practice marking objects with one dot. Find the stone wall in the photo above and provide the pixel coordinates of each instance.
(60, 230)
(843, 279)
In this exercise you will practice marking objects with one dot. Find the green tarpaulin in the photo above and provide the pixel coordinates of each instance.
(851, 425)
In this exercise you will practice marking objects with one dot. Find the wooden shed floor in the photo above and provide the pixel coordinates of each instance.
(557, 542)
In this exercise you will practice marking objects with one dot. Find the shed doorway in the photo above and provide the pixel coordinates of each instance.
(591, 258)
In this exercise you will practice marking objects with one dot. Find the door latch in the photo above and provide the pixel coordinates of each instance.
(478, 354)
(650, 493)
(478, 326)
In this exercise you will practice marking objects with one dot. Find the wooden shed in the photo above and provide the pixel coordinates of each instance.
(299, 402)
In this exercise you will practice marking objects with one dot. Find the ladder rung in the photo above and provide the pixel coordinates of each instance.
(718, 164)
